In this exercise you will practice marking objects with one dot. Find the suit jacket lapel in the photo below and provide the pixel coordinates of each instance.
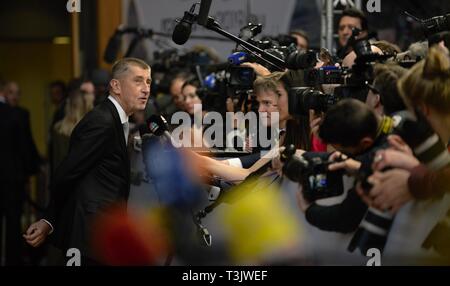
(123, 145)
(118, 124)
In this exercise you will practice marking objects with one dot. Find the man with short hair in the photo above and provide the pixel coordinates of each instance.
(96, 172)
(13, 163)
(354, 129)
(302, 39)
(351, 18)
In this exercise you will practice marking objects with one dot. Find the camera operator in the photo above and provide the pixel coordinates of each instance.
(351, 18)
(272, 95)
(301, 38)
(383, 95)
(354, 129)
(425, 86)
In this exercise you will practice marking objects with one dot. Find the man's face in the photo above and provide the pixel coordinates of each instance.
(302, 43)
(348, 150)
(364, 144)
(346, 24)
(373, 101)
(12, 94)
(175, 92)
(134, 89)
(56, 94)
(273, 101)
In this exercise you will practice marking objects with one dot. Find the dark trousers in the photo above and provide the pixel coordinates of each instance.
(11, 206)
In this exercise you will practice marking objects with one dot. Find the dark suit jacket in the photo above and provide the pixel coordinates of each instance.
(13, 157)
(94, 174)
(32, 154)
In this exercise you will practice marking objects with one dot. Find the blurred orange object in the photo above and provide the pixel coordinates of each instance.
(121, 239)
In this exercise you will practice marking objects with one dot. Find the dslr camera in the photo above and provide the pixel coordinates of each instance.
(311, 171)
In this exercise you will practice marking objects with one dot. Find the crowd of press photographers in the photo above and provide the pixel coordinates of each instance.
(369, 126)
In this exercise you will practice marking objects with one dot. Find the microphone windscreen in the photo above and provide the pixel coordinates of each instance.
(181, 33)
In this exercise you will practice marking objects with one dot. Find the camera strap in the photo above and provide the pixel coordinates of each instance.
(385, 127)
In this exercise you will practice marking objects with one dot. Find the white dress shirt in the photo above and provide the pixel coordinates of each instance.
(123, 117)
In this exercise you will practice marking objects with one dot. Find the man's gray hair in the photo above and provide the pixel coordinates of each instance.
(122, 65)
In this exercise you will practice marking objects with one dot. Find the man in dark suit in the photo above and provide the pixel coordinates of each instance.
(12, 175)
(96, 171)
(12, 95)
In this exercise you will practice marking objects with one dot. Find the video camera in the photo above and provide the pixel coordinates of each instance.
(311, 171)
(353, 82)
(282, 46)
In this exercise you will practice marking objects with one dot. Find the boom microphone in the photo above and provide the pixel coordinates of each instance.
(183, 29)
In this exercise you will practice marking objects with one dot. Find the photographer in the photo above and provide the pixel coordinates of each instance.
(383, 95)
(351, 127)
(351, 18)
(272, 95)
(425, 86)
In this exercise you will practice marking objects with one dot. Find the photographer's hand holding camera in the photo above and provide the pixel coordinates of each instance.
(412, 180)
(343, 162)
(354, 129)
(389, 189)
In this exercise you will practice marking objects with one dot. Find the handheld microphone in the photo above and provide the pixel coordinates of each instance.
(205, 5)
(182, 30)
(157, 125)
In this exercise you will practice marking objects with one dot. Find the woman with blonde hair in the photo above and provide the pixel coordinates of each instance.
(425, 87)
(75, 109)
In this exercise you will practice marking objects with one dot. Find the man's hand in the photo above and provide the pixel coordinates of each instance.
(259, 69)
(37, 233)
(396, 142)
(351, 166)
(395, 159)
(389, 192)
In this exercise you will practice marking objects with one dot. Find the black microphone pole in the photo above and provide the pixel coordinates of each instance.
(213, 25)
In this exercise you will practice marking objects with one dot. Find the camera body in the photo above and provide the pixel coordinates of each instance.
(302, 99)
(311, 171)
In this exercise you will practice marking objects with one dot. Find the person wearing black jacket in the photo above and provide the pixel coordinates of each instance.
(352, 128)
(13, 172)
(96, 172)
(12, 97)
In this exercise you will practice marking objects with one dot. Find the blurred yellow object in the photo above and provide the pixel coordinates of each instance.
(261, 224)
(61, 40)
